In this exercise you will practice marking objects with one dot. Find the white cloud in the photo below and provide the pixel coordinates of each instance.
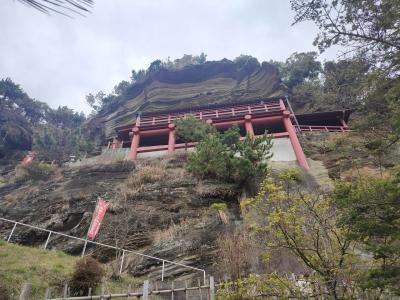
(59, 60)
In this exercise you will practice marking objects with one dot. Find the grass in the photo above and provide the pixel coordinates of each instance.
(46, 268)
(42, 268)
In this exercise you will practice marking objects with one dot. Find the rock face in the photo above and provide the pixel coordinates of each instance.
(156, 208)
(210, 83)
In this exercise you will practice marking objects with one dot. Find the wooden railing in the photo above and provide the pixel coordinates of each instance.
(224, 112)
(314, 128)
(204, 291)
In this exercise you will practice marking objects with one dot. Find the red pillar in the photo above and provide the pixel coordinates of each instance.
(282, 105)
(298, 150)
(115, 144)
(248, 125)
(171, 138)
(343, 123)
(135, 143)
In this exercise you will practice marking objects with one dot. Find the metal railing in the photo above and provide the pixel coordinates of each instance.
(86, 241)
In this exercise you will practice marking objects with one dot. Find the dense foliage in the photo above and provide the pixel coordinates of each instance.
(58, 144)
(26, 123)
(303, 223)
(224, 157)
(367, 80)
(369, 27)
(330, 233)
(371, 208)
(191, 129)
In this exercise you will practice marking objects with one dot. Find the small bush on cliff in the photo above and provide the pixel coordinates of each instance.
(88, 273)
(147, 174)
(34, 171)
(225, 157)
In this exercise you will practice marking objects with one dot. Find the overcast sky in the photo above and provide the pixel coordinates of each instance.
(59, 60)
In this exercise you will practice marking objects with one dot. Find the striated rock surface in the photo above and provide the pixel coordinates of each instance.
(156, 208)
(211, 83)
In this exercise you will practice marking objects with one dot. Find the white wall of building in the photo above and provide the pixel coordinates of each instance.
(282, 150)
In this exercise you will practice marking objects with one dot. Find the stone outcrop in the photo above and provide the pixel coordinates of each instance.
(164, 213)
(210, 83)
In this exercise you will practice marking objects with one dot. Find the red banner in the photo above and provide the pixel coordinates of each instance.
(98, 216)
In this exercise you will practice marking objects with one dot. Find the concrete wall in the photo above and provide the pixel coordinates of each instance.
(283, 150)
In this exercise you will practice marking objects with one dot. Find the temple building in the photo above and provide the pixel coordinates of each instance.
(154, 134)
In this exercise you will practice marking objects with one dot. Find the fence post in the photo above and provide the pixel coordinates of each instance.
(47, 241)
(146, 290)
(172, 290)
(122, 261)
(26, 291)
(129, 291)
(12, 231)
(84, 249)
(162, 272)
(212, 288)
(47, 294)
(186, 290)
(200, 291)
(65, 291)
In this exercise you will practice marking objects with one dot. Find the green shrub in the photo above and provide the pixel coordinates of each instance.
(34, 171)
(226, 158)
(191, 129)
(88, 273)
(219, 206)
(291, 175)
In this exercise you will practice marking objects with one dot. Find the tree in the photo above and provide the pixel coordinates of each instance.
(370, 208)
(191, 129)
(246, 63)
(57, 144)
(300, 67)
(185, 60)
(63, 7)
(306, 224)
(101, 100)
(65, 117)
(345, 82)
(366, 26)
(225, 157)
(154, 66)
(121, 87)
(138, 76)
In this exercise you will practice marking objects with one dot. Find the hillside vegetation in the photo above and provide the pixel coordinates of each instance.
(43, 269)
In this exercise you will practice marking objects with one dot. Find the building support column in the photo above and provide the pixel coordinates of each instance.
(171, 138)
(298, 150)
(282, 105)
(135, 143)
(248, 125)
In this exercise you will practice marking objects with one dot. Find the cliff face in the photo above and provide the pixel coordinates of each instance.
(156, 208)
(195, 85)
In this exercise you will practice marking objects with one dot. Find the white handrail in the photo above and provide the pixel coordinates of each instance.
(103, 245)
